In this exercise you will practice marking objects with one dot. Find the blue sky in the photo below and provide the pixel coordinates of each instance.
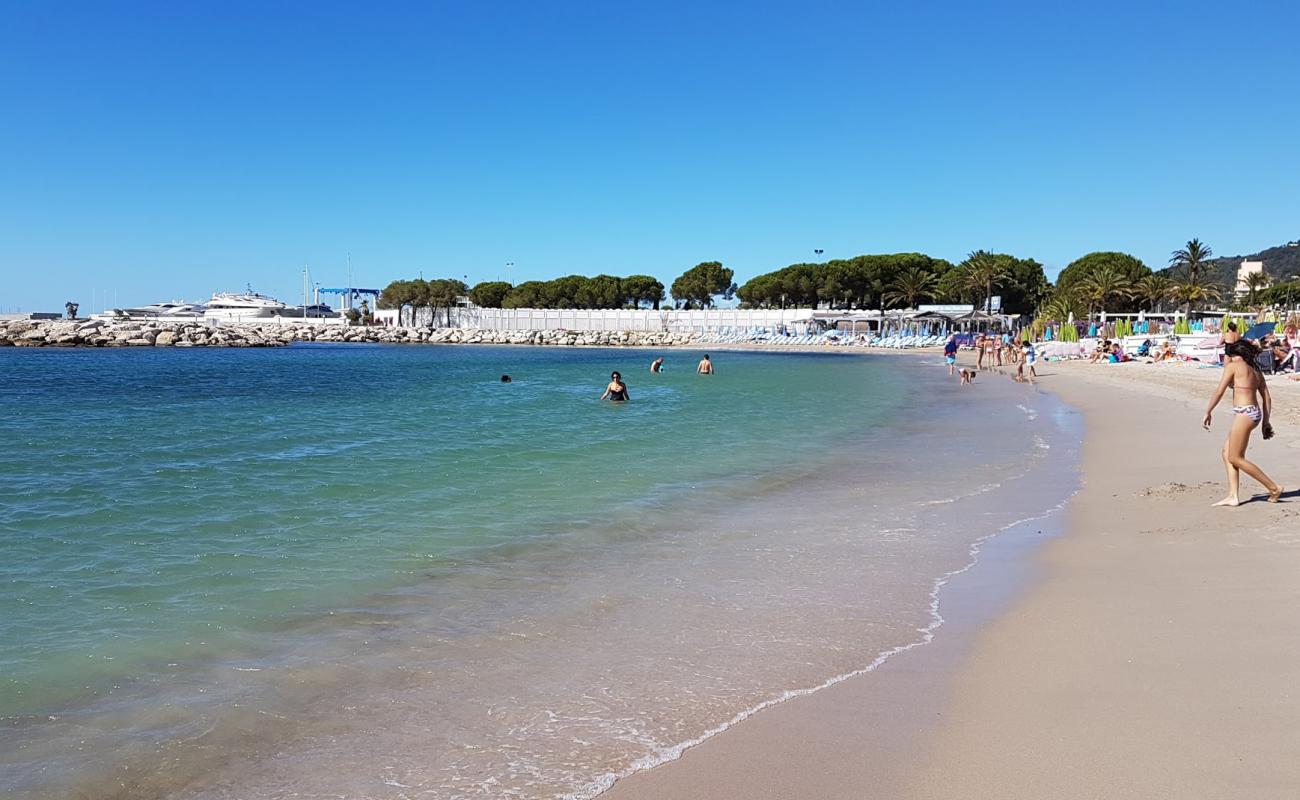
(159, 151)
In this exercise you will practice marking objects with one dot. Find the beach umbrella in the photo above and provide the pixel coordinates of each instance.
(1259, 331)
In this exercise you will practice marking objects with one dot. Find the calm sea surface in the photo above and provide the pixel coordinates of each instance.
(378, 572)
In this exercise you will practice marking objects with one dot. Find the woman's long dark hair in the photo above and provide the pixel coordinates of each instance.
(1247, 350)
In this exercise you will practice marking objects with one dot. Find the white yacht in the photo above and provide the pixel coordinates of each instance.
(233, 307)
(313, 311)
(173, 311)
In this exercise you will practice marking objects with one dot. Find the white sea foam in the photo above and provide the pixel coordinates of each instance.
(927, 635)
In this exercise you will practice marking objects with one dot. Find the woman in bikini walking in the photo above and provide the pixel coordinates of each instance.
(1251, 406)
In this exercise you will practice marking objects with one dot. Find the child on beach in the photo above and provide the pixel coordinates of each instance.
(967, 376)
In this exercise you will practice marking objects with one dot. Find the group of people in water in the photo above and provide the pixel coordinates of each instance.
(616, 391)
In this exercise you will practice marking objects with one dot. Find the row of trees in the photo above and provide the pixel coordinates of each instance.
(902, 280)
(572, 291)
(438, 295)
(1102, 280)
(695, 288)
(1087, 285)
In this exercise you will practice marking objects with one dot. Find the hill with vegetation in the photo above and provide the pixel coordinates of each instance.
(1280, 263)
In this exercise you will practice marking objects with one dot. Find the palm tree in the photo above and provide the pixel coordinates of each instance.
(983, 271)
(1153, 290)
(1059, 307)
(1254, 282)
(911, 285)
(1192, 293)
(1103, 285)
(1191, 259)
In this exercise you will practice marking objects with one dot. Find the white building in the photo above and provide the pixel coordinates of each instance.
(1244, 271)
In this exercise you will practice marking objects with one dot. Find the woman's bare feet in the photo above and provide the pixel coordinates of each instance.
(1276, 494)
(1228, 501)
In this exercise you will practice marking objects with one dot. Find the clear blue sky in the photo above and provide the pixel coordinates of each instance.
(170, 150)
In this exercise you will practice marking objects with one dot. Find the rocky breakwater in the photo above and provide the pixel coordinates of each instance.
(97, 333)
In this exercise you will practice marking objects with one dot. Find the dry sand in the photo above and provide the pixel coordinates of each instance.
(1155, 652)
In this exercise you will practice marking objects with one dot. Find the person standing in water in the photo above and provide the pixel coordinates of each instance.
(657, 365)
(1251, 406)
(616, 391)
(950, 353)
(706, 366)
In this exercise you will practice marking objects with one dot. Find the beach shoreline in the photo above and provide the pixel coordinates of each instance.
(1038, 698)
(722, 556)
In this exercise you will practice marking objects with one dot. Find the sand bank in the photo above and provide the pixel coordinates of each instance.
(1152, 651)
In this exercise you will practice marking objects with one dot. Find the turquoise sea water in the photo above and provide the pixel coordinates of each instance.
(234, 547)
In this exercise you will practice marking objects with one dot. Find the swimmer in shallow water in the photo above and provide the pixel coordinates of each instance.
(657, 365)
(706, 366)
(616, 391)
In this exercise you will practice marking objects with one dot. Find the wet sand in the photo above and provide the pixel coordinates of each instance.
(1152, 651)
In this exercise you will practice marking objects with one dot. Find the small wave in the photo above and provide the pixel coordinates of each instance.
(1029, 412)
(927, 633)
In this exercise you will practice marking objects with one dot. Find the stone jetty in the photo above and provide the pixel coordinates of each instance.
(98, 333)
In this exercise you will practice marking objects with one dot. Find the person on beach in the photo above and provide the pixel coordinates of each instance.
(1101, 352)
(950, 353)
(979, 351)
(1231, 335)
(1251, 406)
(657, 365)
(1030, 358)
(705, 367)
(967, 376)
(616, 391)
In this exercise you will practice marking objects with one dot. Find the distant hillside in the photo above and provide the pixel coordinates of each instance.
(1280, 263)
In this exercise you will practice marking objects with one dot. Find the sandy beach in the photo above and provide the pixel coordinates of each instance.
(1151, 651)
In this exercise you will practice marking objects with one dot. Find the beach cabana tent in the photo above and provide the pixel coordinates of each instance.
(975, 319)
(928, 322)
